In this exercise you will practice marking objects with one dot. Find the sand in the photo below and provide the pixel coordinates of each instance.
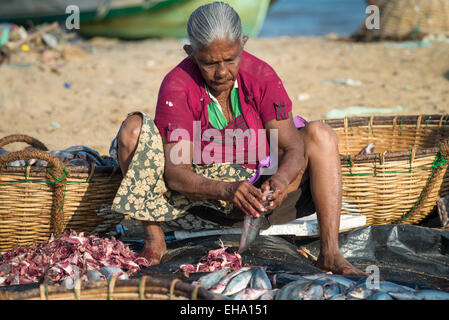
(81, 93)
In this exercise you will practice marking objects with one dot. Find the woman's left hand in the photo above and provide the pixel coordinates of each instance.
(279, 187)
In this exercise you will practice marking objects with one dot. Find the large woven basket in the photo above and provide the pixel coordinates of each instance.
(145, 288)
(408, 19)
(401, 182)
(38, 201)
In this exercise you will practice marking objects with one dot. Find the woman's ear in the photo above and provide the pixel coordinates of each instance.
(244, 39)
(188, 49)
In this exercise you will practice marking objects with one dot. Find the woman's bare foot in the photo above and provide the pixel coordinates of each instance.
(337, 264)
(154, 246)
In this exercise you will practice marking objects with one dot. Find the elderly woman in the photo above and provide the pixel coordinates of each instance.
(177, 177)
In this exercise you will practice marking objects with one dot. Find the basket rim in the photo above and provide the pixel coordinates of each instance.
(440, 120)
(137, 284)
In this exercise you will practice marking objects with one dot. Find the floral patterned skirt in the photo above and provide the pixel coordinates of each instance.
(143, 194)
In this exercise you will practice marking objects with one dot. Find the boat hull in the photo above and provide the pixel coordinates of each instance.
(171, 21)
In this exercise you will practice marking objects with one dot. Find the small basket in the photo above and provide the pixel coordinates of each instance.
(38, 201)
(401, 182)
(144, 288)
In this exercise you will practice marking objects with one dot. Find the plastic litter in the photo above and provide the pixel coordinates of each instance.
(359, 111)
(343, 81)
(50, 40)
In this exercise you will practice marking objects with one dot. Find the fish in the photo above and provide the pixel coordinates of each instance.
(428, 294)
(249, 294)
(221, 286)
(380, 296)
(93, 275)
(251, 228)
(269, 295)
(369, 149)
(238, 283)
(360, 292)
(281, 279)
(345, 282)
(211, 279)
(109, 272)
(397, 291)
(314, 291)
(260, 280)
(293, 290)
(330, 289)
(338, 297)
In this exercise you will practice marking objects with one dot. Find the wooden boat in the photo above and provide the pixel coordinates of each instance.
(128, 19)
(37, 11)
(171, 20)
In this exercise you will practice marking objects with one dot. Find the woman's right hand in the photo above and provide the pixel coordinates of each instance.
(246, 197)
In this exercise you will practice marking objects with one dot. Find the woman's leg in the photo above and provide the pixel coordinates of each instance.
(128, 138)
(323, 168)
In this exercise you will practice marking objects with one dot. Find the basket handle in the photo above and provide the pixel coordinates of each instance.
(22, 138)
(56, 176)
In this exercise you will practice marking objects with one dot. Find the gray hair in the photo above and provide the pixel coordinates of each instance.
(213, 21)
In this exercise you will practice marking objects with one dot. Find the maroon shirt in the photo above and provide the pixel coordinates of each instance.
(183, 100)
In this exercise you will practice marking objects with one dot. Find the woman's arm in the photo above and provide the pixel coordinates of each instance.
(181, 178)
(290, 159)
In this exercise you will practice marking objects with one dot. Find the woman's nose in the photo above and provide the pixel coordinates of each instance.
(221, 70)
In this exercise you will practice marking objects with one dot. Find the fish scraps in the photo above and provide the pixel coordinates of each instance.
(70, 255)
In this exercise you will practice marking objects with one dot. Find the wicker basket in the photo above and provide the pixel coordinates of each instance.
(401, 182)
(408, 19)
(38, 201)
(144, 288)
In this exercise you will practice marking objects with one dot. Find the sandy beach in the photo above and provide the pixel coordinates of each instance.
(80, 93)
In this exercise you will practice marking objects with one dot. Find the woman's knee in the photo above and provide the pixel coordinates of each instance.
(130, 131)
(320, 133)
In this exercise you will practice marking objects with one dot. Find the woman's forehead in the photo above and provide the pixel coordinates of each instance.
(219, 49)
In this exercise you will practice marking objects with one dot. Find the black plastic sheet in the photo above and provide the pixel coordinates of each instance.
(403, 253)
(411, 255)
(272, 252)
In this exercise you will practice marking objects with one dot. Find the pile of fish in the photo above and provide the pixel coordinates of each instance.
(246, 283)
(69, 257)
(252, 283)
(217, 259)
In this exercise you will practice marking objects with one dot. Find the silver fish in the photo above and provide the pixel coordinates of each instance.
(251, 228)
(249, 294)
(360, 292)
(221, 286)
(380, 296)
(260, 280)
(211, 279)
(109, 272)
(345, 282)
(338, 297)
(293, 290)
(397, 291)
(428, 294)
(314, 291)
(269, 295)
(93, 275)
(331, 289)
(238, 283)
(281, 279)
(369, 149)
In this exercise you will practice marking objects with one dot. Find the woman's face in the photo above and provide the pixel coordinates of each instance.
(219, 64)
